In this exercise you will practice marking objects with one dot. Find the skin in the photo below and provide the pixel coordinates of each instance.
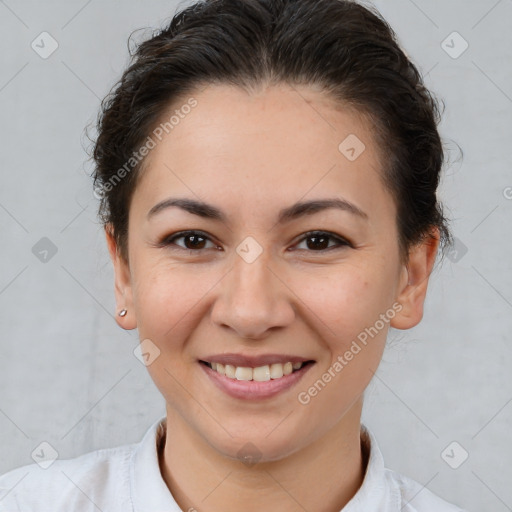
(251, 155)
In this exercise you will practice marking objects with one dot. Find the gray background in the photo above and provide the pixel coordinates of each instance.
(68, 375)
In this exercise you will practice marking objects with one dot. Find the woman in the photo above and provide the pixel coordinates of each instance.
(267, 173)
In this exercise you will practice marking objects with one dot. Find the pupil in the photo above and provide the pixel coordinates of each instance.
(322, 245)
(195, 244)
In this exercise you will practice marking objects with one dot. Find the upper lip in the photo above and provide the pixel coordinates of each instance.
(253, 361)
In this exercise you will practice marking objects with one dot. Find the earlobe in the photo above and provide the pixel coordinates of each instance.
(125, 314)
(414, 280)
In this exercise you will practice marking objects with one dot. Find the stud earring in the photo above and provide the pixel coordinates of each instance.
(123, 312)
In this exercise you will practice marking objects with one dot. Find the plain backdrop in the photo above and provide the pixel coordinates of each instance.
(68, 374)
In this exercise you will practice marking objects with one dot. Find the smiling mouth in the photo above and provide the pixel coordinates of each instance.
(260, 374)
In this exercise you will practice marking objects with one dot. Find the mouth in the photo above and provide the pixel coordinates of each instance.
(255, 378)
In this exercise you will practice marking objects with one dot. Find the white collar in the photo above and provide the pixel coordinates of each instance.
(148, 489)
(375, 489)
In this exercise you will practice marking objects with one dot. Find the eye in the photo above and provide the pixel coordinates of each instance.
(193, 240)
(320, 241)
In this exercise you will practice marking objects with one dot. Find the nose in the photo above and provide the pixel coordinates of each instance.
(253, 299)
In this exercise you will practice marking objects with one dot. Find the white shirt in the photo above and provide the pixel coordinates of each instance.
(128, 479)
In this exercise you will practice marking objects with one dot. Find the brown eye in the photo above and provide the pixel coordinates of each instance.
(318, 241)
(192, 240)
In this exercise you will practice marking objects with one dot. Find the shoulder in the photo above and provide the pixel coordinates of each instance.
(81, 483)
(416, 497)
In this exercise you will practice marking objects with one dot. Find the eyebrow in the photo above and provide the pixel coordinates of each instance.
(288, 214)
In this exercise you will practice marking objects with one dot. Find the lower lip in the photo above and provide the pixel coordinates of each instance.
(252, 389)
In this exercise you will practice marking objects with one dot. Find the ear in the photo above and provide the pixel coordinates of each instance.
(414, 282)
(122, 283)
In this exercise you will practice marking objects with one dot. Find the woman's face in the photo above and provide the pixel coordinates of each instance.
(250, 288)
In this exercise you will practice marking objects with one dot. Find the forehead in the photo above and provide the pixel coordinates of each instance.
(249, 151)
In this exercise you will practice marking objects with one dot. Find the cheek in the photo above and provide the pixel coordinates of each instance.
(354, 340)
(170, 300)
(346, 301)
(353, 309)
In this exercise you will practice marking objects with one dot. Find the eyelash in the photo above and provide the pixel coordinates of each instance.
(169, 241)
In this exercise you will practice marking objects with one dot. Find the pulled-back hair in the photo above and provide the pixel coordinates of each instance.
(343, 47)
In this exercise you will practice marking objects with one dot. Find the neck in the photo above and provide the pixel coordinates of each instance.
(202, 479)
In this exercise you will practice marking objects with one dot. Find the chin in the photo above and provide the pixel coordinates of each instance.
(257, 445)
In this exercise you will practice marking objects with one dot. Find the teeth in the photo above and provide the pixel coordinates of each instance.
(230, 371)
(276, 371)
(243, 373)
(260, 374)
